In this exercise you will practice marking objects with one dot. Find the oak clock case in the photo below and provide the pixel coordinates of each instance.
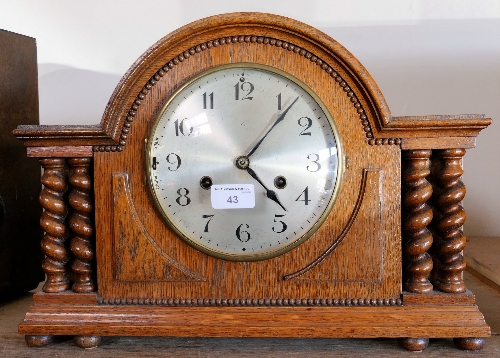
(244, 124)
(347, 236)
(177, 264)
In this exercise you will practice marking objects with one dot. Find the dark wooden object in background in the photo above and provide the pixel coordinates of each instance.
(366, 272)
(20, 254)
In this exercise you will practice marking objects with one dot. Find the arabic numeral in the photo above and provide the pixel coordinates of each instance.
(283, 225)
(304, 194)
(211, 98)
(243, 235)
(245, 87)
(232, 200)
(209, 217)
(181, 128)
(315, 168)
(176, 162)
(183, 199)
(306, 123)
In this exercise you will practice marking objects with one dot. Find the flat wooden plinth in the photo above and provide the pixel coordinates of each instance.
(425, 320)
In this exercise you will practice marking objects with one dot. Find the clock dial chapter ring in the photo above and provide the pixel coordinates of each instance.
(214, 117)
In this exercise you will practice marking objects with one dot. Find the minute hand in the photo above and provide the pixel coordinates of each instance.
(279, 119)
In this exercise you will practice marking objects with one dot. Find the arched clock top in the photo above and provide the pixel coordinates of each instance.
(163, 72)
(262, 30)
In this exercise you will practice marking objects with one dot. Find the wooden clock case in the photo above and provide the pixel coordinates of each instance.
(386, 263)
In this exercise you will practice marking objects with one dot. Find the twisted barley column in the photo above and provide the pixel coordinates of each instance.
(417, 238)
(450, 221)
(53, 224)
(81, 225)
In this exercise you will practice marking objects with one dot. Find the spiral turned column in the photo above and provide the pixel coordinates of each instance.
(80, 222)
(450, 221)
(417, 239)
(53, 224)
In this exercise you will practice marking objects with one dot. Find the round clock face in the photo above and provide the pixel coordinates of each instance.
(244, 162)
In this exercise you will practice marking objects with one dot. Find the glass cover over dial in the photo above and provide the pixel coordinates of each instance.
(244, 162)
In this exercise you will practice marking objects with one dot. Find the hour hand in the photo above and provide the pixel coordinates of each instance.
(270, 193)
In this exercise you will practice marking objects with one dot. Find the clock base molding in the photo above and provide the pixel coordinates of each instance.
(421, 316)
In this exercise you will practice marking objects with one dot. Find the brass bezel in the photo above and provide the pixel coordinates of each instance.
(282, 250)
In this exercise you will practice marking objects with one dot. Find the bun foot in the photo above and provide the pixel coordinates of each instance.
(38, 341)
(414, 344)
(87, 341)
(469, 344)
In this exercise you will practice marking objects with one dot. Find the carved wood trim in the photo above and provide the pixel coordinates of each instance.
(62, 135)
(60, 152)
(305, 321)
(259, 40)
(438, 143)
(81, 224)
(451, 217)
(64, 298)
(438, 298)
(254, 302)
(385, 126)
(126, 213)
(417, 239)
(53, 223)
(445, 121)
(226, 25)
(342, 235)
(410, 127)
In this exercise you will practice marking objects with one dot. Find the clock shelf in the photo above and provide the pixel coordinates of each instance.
(382, 259)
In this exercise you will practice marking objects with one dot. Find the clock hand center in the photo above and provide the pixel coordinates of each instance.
(242, 162)
(279, 119)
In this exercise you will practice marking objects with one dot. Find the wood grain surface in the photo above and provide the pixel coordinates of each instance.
(429, 320)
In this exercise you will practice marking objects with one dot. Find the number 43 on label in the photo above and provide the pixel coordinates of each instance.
(233, 196)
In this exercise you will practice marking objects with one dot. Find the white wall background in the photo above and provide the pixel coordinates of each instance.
(428, 57)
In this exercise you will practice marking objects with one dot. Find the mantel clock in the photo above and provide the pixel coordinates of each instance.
(248, 180)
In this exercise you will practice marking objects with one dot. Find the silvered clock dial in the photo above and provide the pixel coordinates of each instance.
(244, 162)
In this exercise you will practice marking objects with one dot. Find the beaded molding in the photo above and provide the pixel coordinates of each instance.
(251, 39)
(252, 302)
